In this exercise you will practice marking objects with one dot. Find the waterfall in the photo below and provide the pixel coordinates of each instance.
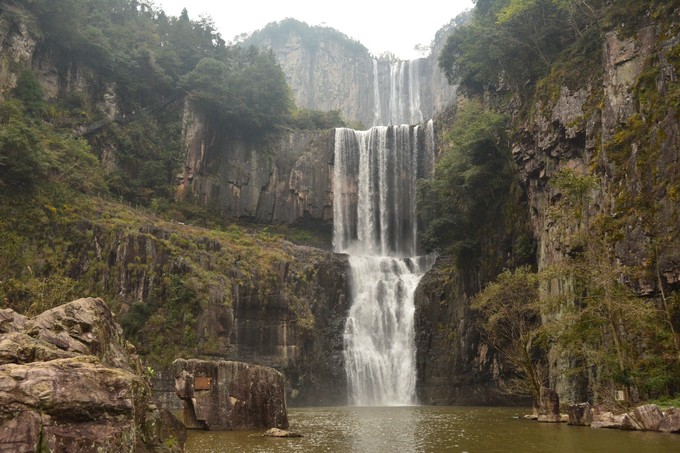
(400, 80)
(375, 222)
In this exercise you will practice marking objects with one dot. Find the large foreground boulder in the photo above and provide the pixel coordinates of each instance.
(230, 395)
(70, 382)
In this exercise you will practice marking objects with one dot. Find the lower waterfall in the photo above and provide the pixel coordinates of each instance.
(374, 211)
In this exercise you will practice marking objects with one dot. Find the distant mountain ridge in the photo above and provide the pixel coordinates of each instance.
(327, 70)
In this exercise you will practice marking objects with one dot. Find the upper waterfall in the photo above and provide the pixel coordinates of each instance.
(375, 176)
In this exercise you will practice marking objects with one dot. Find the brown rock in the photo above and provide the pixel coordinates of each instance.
(649, 417)
(21, 433)
(85, 326)
(580, 414)
(230, 395)
(68, 384)
(18, 347)
(549, 406)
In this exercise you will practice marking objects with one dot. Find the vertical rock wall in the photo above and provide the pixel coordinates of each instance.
(286, 180)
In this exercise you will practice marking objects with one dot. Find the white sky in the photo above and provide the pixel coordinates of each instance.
(379, 25)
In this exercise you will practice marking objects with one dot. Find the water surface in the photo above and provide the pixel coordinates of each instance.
(430, 429)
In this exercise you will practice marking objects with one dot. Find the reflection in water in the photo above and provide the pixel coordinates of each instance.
(430, 429)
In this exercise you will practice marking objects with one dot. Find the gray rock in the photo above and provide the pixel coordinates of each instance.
(607, 420)
(628, 423)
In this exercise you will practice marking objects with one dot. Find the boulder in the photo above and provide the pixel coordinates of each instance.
(648, 416)
(276, 432)
(230, 395)
(549, 406)
(607, 420)
(671, 421)
(580, 414)
(67, 383)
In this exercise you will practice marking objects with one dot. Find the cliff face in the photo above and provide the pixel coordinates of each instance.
(185, 292)
(20, 38)
(619, 122)
(286, 180)
(328, 71)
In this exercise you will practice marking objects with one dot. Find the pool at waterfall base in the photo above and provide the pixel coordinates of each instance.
(430, 429)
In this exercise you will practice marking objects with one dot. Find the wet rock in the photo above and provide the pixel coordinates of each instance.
(649, 417)
(230, 395)
(580, 414)
(60, 389)
(276, 432)
(549, 406)
(671, 421)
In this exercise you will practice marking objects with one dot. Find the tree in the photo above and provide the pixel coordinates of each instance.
(510, 322)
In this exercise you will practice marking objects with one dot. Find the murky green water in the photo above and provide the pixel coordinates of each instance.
(430, 429)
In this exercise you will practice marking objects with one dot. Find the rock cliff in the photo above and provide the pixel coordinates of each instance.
(287, 181)
(613, 118)
(181, 290)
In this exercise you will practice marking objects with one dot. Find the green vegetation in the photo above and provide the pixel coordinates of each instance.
(605, 309)
(74, 162)
(472, 186)
(311, 36)
(511, 315)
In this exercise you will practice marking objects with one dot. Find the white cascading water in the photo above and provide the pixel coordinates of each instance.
(375, 223)
(401, 81)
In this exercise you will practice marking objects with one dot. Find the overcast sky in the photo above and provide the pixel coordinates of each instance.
(379, 25)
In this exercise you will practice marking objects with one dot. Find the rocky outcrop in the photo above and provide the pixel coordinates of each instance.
(70, 382)
(221, 395)
(648, 417)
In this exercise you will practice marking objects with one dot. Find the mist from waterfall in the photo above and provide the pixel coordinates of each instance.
(375, 222)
